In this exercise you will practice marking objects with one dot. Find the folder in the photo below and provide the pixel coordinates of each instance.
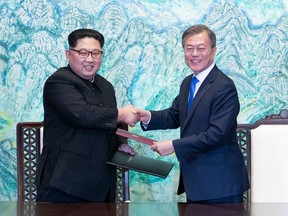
(134, 136)
(141, 164)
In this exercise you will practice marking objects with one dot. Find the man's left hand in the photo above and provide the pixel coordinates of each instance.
(126, 148)
(163, 148)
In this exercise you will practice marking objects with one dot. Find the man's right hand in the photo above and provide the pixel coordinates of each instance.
(143, 115)
(127, 116)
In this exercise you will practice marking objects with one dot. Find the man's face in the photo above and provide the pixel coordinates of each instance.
(198, 52)
(85, 67)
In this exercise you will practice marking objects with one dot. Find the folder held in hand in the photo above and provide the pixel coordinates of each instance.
(141, 164)
(134, 136)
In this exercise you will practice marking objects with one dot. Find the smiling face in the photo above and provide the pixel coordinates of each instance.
(199, 54)
(87, 67)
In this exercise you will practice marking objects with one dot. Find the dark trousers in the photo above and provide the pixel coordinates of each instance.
(230, 199)
(54, 195)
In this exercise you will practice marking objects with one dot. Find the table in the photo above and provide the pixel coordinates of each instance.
(141, 209)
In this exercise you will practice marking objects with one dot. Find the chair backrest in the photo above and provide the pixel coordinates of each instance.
(265, 148)
(29, 146)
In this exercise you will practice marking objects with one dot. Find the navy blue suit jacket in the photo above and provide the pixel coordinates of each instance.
(211, 162)
(80, 121)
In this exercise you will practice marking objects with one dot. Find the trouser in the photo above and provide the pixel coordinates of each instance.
(51, 194)
(230, 199)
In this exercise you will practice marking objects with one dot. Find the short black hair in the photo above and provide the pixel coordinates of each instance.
(82, 33)
(197, 29)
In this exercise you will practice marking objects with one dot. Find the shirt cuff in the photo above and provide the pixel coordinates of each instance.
(145, 124)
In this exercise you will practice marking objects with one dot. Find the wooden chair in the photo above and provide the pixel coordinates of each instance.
(264, 145)
(29, 146)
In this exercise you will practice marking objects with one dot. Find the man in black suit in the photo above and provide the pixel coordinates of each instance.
(80, 120)
(212, 169)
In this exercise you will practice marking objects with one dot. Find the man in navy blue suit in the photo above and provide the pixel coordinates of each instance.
(212, 169)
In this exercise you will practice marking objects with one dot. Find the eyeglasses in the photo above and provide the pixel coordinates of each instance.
(96, 54)
(198, 49)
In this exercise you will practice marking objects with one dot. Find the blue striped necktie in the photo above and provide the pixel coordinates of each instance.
(192, 91)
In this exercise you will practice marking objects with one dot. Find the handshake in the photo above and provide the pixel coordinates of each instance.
(131, 115)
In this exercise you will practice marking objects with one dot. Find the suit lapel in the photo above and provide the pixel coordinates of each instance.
(205, 86)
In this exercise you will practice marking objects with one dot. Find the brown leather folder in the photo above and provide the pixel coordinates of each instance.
(141, 164)
(134, 136)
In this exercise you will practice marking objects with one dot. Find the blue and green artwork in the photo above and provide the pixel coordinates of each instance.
(143, 59)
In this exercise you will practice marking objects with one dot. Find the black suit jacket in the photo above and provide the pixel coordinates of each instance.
(211, 162)
(80, 120)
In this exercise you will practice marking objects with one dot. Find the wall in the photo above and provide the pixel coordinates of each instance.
(144, 60)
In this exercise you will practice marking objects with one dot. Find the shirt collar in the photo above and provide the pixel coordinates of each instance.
(202, 75)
